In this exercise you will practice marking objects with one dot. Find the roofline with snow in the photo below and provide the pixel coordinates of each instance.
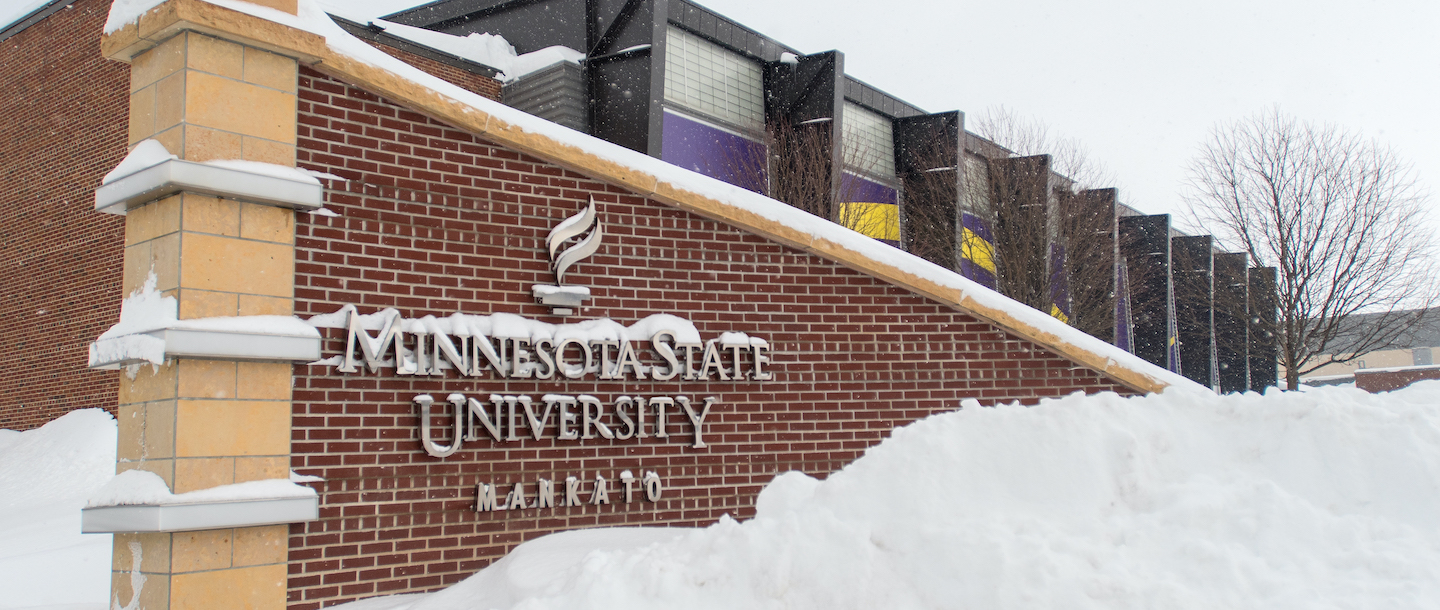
(641, 175)
(375, 34)
(33, 17)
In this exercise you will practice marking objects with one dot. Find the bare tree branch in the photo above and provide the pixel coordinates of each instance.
(1340, 217)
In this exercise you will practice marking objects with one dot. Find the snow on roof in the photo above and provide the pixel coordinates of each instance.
(362, 64)
(488, 49)
(13, 11)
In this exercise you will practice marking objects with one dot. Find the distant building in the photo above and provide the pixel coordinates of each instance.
(1416, 349)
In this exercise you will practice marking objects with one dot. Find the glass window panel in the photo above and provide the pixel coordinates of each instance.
(869, 144)
(704, 76)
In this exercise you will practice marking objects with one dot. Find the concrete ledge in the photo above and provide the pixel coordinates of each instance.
(204, 343)
(198, 516)
(176, 175)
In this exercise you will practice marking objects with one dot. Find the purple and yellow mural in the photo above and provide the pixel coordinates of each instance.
(977, 250)
(870, 208)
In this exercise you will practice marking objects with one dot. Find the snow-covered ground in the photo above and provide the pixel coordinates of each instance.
(1328, 498)
(45, 476)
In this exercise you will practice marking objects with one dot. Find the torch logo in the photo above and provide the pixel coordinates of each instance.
(568, 244)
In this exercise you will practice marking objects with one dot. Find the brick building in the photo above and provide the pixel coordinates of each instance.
(511, 328)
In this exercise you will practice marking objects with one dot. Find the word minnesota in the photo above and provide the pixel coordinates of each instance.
(431, 346)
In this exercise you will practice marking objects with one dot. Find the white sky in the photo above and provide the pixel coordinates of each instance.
(1141, 83)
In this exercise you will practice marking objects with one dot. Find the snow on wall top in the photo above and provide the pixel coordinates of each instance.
(488, 49)
(357, 61)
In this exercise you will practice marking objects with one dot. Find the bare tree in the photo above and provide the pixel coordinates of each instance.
(1040, 202)
(1339, 216)
(930, 203)
(1027, 137)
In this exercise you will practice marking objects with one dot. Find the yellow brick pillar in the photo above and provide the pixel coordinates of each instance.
(207, 94)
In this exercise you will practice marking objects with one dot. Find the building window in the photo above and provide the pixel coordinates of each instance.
(1423, 357)
(704, 77)
(869, 144)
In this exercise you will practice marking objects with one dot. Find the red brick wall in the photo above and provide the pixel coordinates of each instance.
(469, 81)
(433, 221)
(63, 112)
(1382, 380)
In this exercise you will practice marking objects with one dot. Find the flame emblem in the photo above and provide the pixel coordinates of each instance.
(568, 229)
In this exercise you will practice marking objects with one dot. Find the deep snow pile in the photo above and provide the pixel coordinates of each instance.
(1329, 498)
(45, 476)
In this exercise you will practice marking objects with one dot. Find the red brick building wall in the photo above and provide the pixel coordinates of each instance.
(434, 221)
(1383, 380)
(63, 112)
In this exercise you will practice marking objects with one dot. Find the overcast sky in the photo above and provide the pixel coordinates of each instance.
(1140, 83)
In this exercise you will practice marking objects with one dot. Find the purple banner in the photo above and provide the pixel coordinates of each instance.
(856, 188)
(712, 151)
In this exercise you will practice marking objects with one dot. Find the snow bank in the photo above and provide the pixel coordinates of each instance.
(1329, 498)
(45, 476)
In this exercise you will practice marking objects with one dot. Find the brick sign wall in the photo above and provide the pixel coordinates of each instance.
(432, 221)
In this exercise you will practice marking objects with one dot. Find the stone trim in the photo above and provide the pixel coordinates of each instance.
(200, 516)
(222, 345)
(176, 175)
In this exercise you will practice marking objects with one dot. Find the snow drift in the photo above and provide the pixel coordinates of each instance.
(45, 476)
(1329, 498)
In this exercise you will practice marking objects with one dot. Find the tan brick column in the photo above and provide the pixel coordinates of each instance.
(201, 423)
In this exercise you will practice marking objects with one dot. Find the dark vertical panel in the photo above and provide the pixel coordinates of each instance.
(807, 96)
(809, 90)
(927, 159)
(1145, 245)
(1060, 306)
(625, 86)
(1020, 190)
(1124, 322)
(1193, 267)
(659, 25)
(1088, 229)
(1263, 348)
(1232, 333)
